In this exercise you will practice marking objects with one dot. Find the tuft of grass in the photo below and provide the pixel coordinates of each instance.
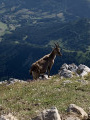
(26, 100)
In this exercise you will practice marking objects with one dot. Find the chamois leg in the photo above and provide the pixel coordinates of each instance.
(35, 75)
(48, 71)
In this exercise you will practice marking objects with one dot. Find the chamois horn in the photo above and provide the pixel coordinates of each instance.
(56, 44)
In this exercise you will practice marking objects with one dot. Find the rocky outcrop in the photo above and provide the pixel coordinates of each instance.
(68, 71)
(49, 114)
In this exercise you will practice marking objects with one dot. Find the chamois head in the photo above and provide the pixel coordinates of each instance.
(57, 50)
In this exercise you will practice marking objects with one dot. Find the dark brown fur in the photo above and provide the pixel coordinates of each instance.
(44, 64)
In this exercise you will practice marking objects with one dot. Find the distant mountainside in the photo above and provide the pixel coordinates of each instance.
(75, 7)
(73, 35)
(23, 11)
(29, 28)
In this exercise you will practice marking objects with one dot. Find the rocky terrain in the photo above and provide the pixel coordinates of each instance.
(74, 112)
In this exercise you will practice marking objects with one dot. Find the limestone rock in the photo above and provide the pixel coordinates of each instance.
(68, 70)
(49, 114)
(66, 73)
(77, 110)
(72, 67)
(83, 70)
(64, 66)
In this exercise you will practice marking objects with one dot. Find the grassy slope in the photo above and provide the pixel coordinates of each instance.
(26, 100)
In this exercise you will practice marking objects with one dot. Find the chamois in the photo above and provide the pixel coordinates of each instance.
(45, 63)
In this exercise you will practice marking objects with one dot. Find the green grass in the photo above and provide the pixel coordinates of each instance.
(26, 100)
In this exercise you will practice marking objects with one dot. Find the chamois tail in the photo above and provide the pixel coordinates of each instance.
(34, 68)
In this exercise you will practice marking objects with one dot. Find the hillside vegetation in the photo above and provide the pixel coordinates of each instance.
(26, 99)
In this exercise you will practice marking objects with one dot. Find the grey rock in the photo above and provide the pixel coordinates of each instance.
(49, 114)
(83, 70)
(68, 71)
(65, 73)
(3, 82)
(82, 67)
(64, 66)
(12, 81)
(72, 67)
